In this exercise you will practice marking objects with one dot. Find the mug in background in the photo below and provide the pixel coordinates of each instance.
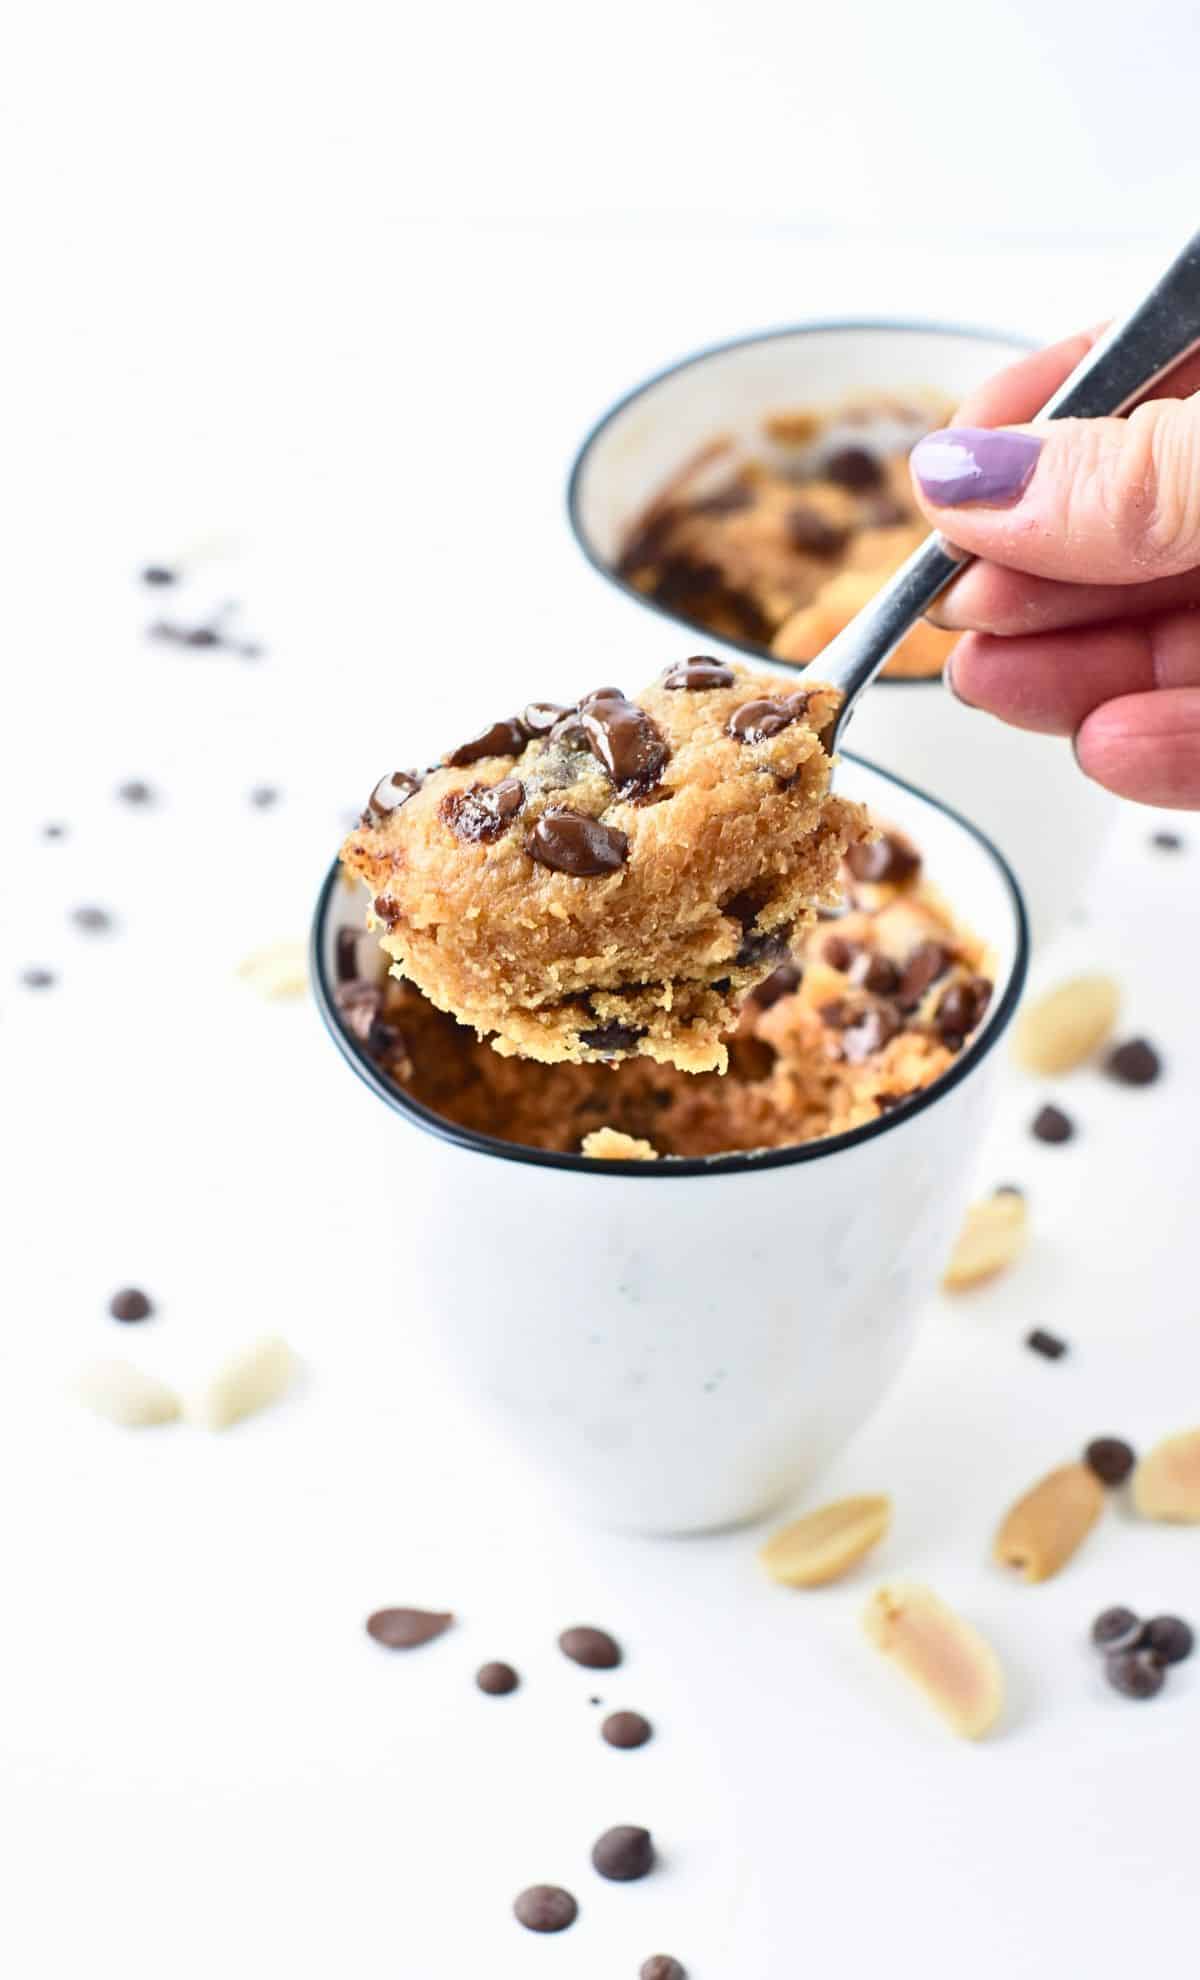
(681, 1344)
(1024, 790)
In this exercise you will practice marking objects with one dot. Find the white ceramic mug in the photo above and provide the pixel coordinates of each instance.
(680, 1344)
(1024, 790)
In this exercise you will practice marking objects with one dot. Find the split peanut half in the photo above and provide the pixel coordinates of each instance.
(826, 1544)
(1064, 1026)
(1166, 1484)
(993, 1234)
(122, 1394)
(1039, 1534)
(942, 1654)
(247, 1382)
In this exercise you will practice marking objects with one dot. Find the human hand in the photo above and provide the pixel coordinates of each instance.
(1083, 619)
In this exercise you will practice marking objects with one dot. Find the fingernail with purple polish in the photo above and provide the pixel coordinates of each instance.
(973, 464)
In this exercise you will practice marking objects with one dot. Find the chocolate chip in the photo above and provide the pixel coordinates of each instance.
(623, 1854)
(389, 794)
(812, 533)
(839, 953)
(698, 674)
(485, 811)
(887, 1101)
(360, 1004)
(202, 636)
(568, 842)
(497, 1679)
(626, 1729)
(610, 1038)
(263, 796)
(876, 973)
(756, 721)
(661, 1966)
(1167, 841)
(135, 792)
(92, 920)
(345, 955)
(1116, 1629)
(387, 909)
(853, 467)
(1052, 1125)
(54, 830)
(407, 1629)
(546, 1908)
(1135, 1673)
(37, 978)
(130, 1304)
(537, 718)
(960, 1010)
(1136, 1063)
(762, 945)
(780, 983)
(1111, 1459)
(501, 739)
(864, 1028)
(886, 861)
(1046, 1344)
(624, 739)
(1168, 1638)
(594, 1648)
(158, 574)
(928, 961)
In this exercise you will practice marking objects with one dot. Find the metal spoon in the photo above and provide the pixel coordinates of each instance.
(1134, 354)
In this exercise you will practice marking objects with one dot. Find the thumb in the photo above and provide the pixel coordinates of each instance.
(1090, 501)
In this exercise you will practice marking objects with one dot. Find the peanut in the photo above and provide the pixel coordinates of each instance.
(247, 1382)
(1064, 1026)
(278, 971)
(121, 1393)
(945, 1656)
(1039, 1534)
(1166, 1484)
(827, 1543)
(992, 1236)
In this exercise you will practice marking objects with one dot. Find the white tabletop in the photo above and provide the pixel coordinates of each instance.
(209, 1767)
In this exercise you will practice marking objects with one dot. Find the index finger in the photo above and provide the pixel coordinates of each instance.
(1020, 391)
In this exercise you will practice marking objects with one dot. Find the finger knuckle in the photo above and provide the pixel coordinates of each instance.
(1153, 487)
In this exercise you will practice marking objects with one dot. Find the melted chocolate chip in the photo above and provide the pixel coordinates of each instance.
(840, 953)
(570, 732)
(345, 955)
(884, 512)
(545, 1908)
(568, 842)
(960, 1010)
(780, 983)
(887, 1101)
(387, 909)
(763, 946)
(887, 861)
(485, 811)
(537, 718)
(812, 533)
(755, 721)
(928, 961)
(853, 467)
(360, 1004)
(501, 739)
(610, 1038)
(699, 673)
(389, 794)
(407, 1629)
(624, 739)
(876, 973)
(864, 1028)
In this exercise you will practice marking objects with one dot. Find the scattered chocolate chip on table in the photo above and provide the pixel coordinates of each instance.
(130, 1303)
(626, 1729)
(1051, 1346)
(594, 1648)
(624, 1854)
(407, 1629)
(38, 978)
(1135, 1063)
(1116, 1629)
(1111, 1458)
(92, 920)
(546, 1908)
(497, 1679)
(1050, 1124)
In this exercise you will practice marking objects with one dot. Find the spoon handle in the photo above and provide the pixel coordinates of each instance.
(1125, 364)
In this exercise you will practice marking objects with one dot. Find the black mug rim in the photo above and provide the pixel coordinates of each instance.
(810, 327)
(997, 1023)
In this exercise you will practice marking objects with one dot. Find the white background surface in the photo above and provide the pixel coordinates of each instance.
(344, 294)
